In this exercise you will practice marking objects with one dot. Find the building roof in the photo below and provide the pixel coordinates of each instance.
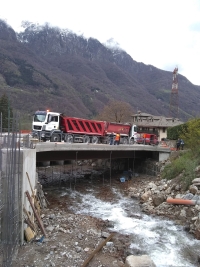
(148, 120)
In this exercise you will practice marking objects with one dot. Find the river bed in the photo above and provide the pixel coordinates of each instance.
(166, 243)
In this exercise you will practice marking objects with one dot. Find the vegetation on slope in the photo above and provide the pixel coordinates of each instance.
(184, 162)
(182, 165)
(6, 114)
(50, 68)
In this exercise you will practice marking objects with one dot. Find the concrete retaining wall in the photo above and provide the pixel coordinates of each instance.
(163, 156)
(28, 161)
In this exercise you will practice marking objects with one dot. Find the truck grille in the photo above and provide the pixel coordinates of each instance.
(38, 128)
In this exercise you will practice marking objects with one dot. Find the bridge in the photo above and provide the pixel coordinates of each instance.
(64, 151)
(16, 162)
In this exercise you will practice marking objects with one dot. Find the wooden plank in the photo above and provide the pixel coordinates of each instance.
(36, 202)
(29, 220)
(96, 250)
(30, 184)
(36, 214)
(29, 234)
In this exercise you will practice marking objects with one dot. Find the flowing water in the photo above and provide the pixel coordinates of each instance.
(166, 243)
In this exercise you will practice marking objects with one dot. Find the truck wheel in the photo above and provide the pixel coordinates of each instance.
(70, 138)
(132, 141)
(86, 139)
(104, 140)
(125, 141)
(95, 140)
(55, 138)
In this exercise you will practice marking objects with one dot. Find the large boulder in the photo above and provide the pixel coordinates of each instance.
(196, 180)
(158, 199)
(139, 261)
(193, 189)
(151, 186)
(144, 197)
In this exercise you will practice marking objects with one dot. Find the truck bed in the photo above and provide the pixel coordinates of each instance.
(82, 126)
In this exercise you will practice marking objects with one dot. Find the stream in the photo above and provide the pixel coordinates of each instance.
(166, 243)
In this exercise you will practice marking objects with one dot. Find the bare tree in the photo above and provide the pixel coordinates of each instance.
(116, 111)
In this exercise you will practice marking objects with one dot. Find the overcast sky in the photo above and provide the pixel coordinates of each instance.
(163, 33)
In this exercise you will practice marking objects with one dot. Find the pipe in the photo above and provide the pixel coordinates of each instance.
(181, 201)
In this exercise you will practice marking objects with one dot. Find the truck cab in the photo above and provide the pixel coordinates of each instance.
(147, 139)
(45, 121)
(133, 134)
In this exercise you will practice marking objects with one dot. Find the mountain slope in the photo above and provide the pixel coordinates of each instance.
(49, 68)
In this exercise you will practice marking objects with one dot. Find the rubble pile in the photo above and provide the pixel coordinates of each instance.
(154, 195)
(70, 240)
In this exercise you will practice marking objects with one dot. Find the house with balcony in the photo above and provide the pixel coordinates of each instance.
(158, 125)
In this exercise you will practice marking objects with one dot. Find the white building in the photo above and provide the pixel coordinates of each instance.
(154, 124)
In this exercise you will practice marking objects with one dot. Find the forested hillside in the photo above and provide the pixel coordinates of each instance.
(50, 68)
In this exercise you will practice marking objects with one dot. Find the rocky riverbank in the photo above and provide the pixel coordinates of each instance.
(153, 197)
(72, 238)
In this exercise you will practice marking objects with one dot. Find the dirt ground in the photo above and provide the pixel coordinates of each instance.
(72, 239)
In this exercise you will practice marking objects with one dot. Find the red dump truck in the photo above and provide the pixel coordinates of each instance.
(147, 139)
(57, 127)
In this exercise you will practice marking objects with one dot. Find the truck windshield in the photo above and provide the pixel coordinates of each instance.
(135, 129)
(39, 117)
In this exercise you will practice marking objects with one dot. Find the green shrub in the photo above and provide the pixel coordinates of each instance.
(189, 173)
(185, 165)
(174, 169)
(175, 132)
(191, 134)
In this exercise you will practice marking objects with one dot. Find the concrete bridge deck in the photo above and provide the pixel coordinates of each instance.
(64, 151)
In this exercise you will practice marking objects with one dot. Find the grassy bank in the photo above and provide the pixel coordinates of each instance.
(182, 164)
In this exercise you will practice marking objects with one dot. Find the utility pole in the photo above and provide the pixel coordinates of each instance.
(174, 105)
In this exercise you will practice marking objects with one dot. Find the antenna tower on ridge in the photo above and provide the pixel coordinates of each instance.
(174, 106)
